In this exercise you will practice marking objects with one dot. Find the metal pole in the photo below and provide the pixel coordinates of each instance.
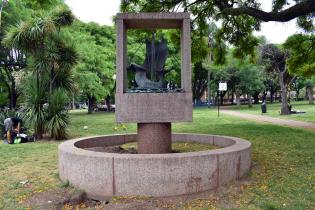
(209, 94)
(218, 103)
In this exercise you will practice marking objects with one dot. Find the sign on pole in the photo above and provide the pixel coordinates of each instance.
(222, 86)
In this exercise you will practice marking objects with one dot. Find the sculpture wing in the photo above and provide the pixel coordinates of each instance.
(155, 57)
(161, 55)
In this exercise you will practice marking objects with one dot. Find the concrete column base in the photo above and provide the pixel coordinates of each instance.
(154, 138)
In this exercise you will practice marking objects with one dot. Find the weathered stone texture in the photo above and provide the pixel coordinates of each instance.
(107, 174)
(154, 138)
(153, 107)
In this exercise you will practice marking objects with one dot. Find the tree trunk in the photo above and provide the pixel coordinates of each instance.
(228, 96)
(108, 104)
(232, 99)
(306, 94)
(256, 98)
(285, 110)
(73, 105)
(272, 94)
(238, 98)
(12, 95)
(264, 97)
(310, 95)
(250, 104)
(91, 101)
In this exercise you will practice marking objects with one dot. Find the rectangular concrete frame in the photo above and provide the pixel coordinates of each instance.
(153, 107)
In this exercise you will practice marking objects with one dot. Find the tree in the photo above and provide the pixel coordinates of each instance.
(302, 54)
(302, 58)
(276, 63)
(250, 81)
(239, 18)
(271, 84)
(50, 58)
(309, 86)
(11, 60)
(200, 81)
(96, 65)
(297, 85)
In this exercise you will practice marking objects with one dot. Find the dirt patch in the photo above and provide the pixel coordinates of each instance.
(222, 197)
(61, 199)
(71, 199)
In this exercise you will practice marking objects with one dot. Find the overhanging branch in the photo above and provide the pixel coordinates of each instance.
(299, 9)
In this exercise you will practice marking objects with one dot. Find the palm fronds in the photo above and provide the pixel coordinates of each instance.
(58, 117)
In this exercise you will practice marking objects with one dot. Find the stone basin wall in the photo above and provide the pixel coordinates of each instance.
(102, 175)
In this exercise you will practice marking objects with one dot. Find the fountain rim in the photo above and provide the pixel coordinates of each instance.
(237, 144)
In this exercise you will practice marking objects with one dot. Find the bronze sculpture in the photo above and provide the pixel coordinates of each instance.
(156, 55)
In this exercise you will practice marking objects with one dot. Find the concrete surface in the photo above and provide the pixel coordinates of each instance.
(154, 138)
(153, 107)
(272, 120)
(107, 174)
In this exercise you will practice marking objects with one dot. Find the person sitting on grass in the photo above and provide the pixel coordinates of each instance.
(12, 128)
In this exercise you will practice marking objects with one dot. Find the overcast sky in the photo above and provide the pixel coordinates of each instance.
(102, 11)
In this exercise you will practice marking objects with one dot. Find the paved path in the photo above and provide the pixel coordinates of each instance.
(273, 120)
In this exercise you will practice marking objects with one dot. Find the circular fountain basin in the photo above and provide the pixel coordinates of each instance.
(102, 174)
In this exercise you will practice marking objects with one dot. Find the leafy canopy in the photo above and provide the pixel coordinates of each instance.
(238, 19)
(302, 54)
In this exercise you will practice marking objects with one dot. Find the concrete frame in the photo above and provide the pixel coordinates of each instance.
(153, 107)
(102, 175)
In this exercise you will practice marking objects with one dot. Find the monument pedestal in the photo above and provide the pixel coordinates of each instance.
(154, 138)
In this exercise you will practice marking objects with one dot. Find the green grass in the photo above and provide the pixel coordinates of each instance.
(283, 176)
(34, 163)
(273, 110)
(179, 146)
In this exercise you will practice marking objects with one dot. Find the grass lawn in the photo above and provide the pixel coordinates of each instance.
(273, 110)
(177, 147)
(283, 174)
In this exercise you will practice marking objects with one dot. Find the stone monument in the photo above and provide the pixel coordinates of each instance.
(152, 172)
(153, 111)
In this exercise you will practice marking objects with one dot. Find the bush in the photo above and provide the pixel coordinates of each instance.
(57, 116)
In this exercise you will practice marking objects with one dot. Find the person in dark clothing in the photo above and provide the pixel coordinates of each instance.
(12, 128)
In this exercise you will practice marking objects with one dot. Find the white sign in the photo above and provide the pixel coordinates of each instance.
(222, 86)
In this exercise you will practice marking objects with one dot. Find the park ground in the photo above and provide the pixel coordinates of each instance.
(273, 111)
(282, 175)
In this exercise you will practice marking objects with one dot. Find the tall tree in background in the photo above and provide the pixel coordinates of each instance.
(309, 86)
(11, 60)
(96, 65)
(199, 81)
(302, 58)
(276, 62)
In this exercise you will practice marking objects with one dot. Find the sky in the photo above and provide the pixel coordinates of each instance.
(102, 11)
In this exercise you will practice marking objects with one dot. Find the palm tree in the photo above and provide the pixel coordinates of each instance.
(51, 58)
